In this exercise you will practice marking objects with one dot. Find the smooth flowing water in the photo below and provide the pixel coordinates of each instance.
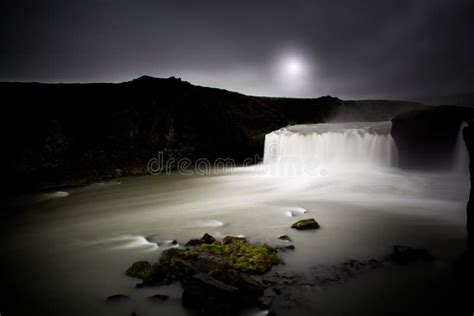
(67, 251)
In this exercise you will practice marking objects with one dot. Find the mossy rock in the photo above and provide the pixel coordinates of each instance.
(237, 256)
(244, 257)
(139, 269)
(303, 224)
(233, 240)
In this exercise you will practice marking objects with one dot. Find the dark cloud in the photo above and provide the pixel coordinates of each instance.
(348, 48)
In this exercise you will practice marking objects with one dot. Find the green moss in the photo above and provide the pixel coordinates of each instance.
(241, 256)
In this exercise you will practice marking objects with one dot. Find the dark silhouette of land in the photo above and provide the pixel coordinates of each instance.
(72, 134)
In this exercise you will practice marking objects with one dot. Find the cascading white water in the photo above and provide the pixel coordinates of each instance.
(332, 144)
(461, 161)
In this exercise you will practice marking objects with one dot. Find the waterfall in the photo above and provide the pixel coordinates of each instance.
(340, 144)
(461, 161)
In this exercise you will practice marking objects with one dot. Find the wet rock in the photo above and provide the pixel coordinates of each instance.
(159, 297)
(285, 237)
(139, 269)
(212, 265)
(207, 239)
(193, 242)
(206, 292)
(118, 298)
(179, 269)
(156, 274)
(405, 254)
(233, 240)
(171, 253)
(266, 299)
(249, 286)
(303, 224)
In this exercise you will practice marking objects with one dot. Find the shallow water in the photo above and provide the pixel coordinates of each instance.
(68, 253)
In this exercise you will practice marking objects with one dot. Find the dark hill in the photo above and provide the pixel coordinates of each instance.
(57, 134)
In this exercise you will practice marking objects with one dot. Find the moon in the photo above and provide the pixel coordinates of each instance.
(293, 72)
(293, 66)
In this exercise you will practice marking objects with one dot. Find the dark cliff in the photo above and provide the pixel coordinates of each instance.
(426, 138)
(59, 134)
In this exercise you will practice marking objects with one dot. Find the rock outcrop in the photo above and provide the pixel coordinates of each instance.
(305, 224)
(216, 276)
(468, 133)
(426, 138)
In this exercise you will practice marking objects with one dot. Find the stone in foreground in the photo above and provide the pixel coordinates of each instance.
(303, 224)
(139, 269)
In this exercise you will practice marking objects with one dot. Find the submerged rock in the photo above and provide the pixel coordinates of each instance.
(405, 254)
(309, 223)
(139, 269)
(285, 248)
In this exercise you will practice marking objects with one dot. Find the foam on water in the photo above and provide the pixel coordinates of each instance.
(54, 195)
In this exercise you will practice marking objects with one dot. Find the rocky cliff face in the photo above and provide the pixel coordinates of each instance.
(468, 133)
(426, 138)
(56, 134)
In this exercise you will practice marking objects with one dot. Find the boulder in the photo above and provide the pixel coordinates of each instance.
(285, 237)
(405, 254)
(207, 239)
(212, 265)
(179, 269)
(193, 242)
(171, 253)
(309, 223)
(249, 286)
(139, 269)
(233, 239)
(155, 275)
(211, 296)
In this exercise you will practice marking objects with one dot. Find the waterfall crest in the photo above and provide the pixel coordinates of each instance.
(358, 143)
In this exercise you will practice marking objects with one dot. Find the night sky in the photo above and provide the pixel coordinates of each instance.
(350, 49)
